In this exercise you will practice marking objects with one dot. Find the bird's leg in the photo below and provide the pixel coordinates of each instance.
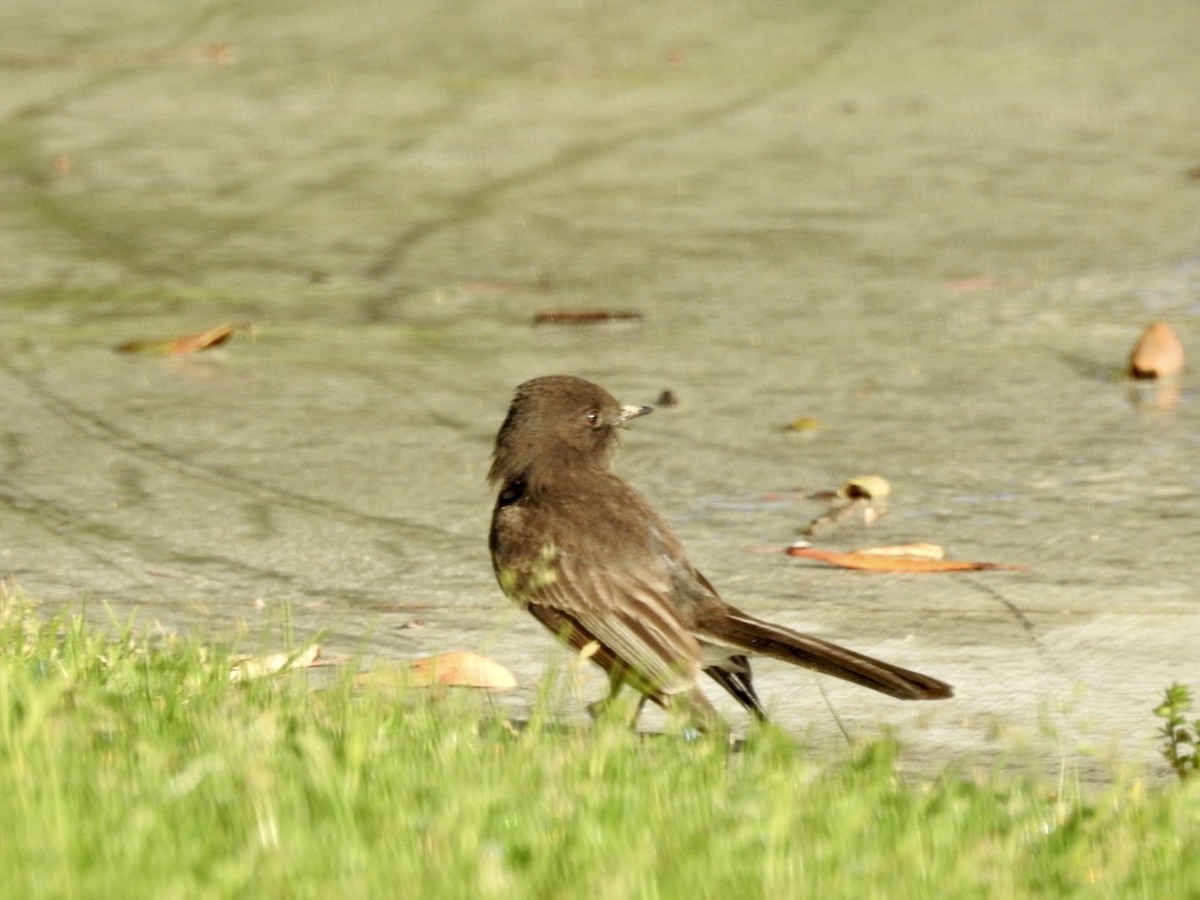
(699, 712)
(616, 681)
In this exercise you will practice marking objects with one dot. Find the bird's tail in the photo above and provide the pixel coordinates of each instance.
(744, 633)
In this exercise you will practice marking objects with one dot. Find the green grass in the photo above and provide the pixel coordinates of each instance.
(130, 768)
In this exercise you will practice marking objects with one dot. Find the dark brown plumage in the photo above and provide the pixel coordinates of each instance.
(588, 556)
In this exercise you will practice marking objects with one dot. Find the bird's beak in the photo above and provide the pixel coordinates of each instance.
(632, 412)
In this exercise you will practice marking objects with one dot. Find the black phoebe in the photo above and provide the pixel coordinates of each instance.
(589, 557)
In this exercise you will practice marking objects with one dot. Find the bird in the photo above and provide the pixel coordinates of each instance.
(587, 555)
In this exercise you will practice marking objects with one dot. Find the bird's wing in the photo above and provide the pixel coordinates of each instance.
(613, 585)
(629, 613)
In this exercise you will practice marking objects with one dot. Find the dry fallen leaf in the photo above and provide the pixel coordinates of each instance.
(585, 316)
(806, 423)
(459, 668)
(1158, 353)
(873, 562)
(913, 551)
(244, 667)
(190, 343)
(866, 495)
(865, 487)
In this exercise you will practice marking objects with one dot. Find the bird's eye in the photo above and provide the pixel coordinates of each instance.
(593, 417)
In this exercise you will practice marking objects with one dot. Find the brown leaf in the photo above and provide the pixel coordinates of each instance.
(190, 343)
(913, 551)
(244, 667)
(585, 316)
(873, 562)
(460, 668)
(865, 487)
(1158, 353)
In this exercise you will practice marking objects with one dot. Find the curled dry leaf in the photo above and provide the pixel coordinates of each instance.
(865, 495)
(189, 343)
(865, 487)
(871, 562)
(1158, 353)
(245, 667)
(461, 668)
(804, 424)
(920, 550)
(585, 316)
(844, 509)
